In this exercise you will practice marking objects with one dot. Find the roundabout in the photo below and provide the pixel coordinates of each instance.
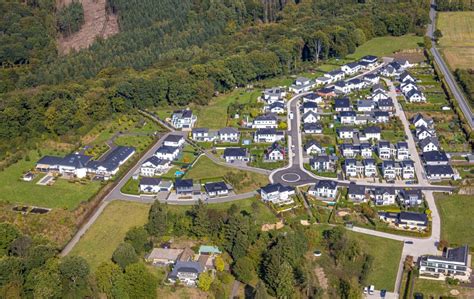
(291, 177)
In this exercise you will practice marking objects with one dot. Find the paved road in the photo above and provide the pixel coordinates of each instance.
(455, 89)
(411, 141)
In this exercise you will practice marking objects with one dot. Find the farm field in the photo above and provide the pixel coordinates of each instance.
(387, 45)
(387, 254)
(457, 42)
(457, 212)
(63, 194)
(100, 241)
(244, 181)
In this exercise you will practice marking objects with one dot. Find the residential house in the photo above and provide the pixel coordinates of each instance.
(356, 84)
(415, 96)
(412, 220)
(167, 152)
(353, 168)
(266, 121)
(186, 273)
(377, 88)
(312, 97)
(313, 147)
(335, 75)
(381, 116)
(228, 134)
(342, 87)
(372, 79)
(424, 133)
(310, 117)
(356, 193)
(154, 185)
(323, 163)
(378, 96)
(323, 80)
(384, 196)
(429, 144)
(232, 154)
(386, 105)
(384, 150)
(410, 197)
(153, 166)
(406, 77)
(275, 152)
(402, 151)
(342, 104)
(277, 194)
(184, 186)
(421, 121)
(346, 132)
(109, 164)
(312, 128)
(268, 135)
(454, 263)
(372, 132)
(351, 68)
(349, 150)
(309, 106)
(203, 135)
(391, 169)
(183, 119)
(405, 87)
(365, 150)
(174, 140)
(408, 169)
(326, 92)
(388, 71)
(370, 168)
(371, 59)
(274, 94)
(276, 107)
(74, 165)
(365, 105)
(324, 189)
(302, 84)
(216, 189)
(439, 172)
(163, 256)
(347, 117)
(403, 63)
(435, 158)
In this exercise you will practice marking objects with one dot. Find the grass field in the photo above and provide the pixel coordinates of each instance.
(206, 169)
(100, 241)
(438, 289)
(387, 254)
(457, 212)
(62, 194)
(457, 42)
(214, 115)
(387, 45)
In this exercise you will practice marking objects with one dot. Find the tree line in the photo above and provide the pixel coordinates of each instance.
(454, 5)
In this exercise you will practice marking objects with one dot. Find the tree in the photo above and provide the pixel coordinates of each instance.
(45, 282)
(219, 263)
(20, 246)
(107, 277)
(139, 282)
(243, 269)
(74, 269)
(205, 281)
(138, 237)
(124, 255)
(285, 281)
(437, 34)
(200, 219)
(8, 233)
(260, 291)
(157, 219)
(442, 244)
(38, 256)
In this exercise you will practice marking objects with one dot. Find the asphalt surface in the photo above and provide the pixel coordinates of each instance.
(457, 92)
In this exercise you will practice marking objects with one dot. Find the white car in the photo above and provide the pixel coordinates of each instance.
(371, 289)
(291, 115)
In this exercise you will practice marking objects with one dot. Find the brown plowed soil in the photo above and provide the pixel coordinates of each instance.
(97, 23)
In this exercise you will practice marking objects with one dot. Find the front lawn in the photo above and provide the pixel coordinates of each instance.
(108, 231)
(243, 181)
(131, 187)
(456, 212)
(63, 194)
(387, 254)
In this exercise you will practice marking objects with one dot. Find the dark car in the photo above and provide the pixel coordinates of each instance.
(382, 293)
(408, 242)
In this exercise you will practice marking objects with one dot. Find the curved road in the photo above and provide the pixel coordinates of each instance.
(457, 92)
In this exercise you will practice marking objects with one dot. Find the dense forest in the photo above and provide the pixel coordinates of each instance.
(71, 18)
(29, 266)
(182, 52)
(454, 5)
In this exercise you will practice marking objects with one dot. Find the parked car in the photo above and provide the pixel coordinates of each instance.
(371, 289)
(408, 242)
(383, 293)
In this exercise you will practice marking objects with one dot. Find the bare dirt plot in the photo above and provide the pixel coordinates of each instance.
(461, 57)
(97, 23)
